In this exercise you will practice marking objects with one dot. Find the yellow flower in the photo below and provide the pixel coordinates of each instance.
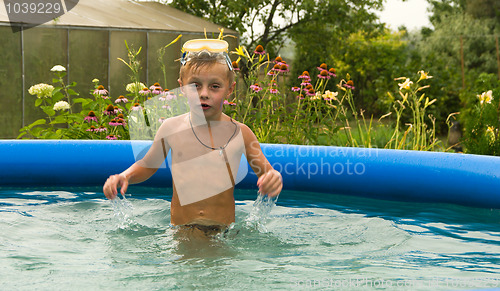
(428, 103)
(486, 97)
(406, 84)
(423, 76)
(490, 131)
(241, 51)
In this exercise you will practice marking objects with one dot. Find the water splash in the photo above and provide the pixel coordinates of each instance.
(123, 210)
(260, 211)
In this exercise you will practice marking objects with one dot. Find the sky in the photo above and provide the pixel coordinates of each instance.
(412, 13)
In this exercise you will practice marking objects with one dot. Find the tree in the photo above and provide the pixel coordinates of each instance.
(373, 62)
(269, 22)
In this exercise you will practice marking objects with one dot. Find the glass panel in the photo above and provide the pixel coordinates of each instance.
(88, 57)
(119, 72)
(43, 49)
(11, 96)
(170, 59)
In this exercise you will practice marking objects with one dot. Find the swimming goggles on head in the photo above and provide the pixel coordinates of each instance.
(211, 45)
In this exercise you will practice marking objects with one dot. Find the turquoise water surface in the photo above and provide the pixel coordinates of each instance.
(75, 239)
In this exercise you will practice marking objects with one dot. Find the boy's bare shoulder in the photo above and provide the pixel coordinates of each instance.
(173, 124)
(247, 133)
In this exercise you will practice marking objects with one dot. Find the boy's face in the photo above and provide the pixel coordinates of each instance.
(213, 87)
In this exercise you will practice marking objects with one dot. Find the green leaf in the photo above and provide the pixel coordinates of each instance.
(59, 119)
(48, 110)
(38, 122)
(57, 96)
(23, 133)
(73, 92)
(38, 102)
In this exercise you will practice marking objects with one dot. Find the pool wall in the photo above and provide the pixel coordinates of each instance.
(471, 180)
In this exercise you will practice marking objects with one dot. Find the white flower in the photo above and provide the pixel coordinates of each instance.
(61, 105)
(317, 96)
(406, 84)
(486, 97)
(41, 90)
(58, 68)
(134, 87)
(330, 95)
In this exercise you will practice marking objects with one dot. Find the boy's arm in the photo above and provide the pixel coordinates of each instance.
(270, 181)
(134, 174)
(140, 171)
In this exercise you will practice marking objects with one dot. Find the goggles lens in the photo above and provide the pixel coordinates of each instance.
(211, 45)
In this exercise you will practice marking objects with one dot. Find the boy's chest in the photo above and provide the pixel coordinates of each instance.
(210, 146)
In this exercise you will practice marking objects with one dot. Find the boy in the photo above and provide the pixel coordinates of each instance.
(206, 146)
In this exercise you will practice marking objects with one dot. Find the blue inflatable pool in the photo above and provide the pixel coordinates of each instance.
(470, 180)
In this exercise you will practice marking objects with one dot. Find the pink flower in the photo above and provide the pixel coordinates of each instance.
(324, 74)
(255, 87)
(300, 96)
(323, 67)
(156, 89)
(271, 73)
(162, 119)
(112, 137)
(101, 129)
(92, 129)
(305, 84)
(311, 92)
(332, 72)
(136, 107)
(305, 75)
(295, 89)
(117, 122)
(259, 50)
(273, 90)
(101, 91)
(229, 103)
(283, 68)
(144, 91)
(171, 96)
(90, 117)
(121, 98)
(235, 65)
(110, 110)
(349, 85)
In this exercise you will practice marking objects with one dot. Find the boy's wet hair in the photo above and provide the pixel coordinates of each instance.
(204, 59)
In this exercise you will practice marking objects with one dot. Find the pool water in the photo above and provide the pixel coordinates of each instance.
(75, 239)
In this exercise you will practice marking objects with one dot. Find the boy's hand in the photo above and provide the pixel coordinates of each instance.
(110, 188)
(270, 183)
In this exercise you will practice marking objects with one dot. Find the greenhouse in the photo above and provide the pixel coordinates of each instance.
(88, 40)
